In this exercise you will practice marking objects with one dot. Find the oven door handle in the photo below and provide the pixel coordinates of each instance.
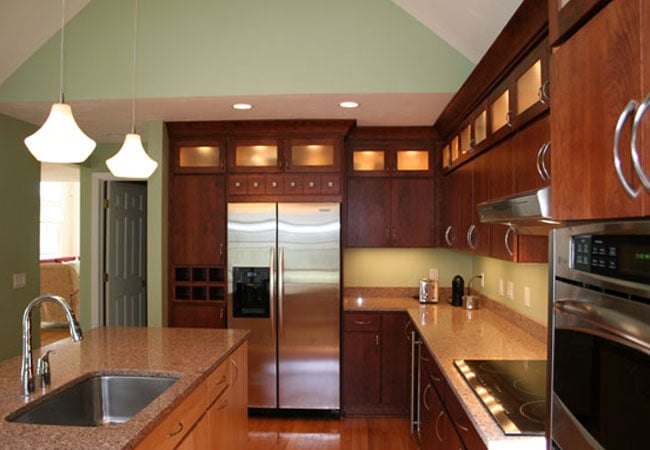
(620, 325)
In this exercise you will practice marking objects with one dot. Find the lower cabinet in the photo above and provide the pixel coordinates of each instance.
(444, 425)
(375, 364)
(214, 415)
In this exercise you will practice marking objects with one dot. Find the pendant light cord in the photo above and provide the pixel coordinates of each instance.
(135, 53)
(61, 100)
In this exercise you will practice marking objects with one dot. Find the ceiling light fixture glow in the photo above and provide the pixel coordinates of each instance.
(59, 139)
(242, 106)
(132, 161)
(349, 104)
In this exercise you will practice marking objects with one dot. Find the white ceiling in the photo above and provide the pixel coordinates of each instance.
(469, 25)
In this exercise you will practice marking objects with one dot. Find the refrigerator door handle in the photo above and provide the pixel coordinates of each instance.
(281, 292)
(272, 292)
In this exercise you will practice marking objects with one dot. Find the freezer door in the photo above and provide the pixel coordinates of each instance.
(309, 304)
(252, 230)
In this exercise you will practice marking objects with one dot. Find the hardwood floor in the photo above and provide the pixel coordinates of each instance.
(271, 433)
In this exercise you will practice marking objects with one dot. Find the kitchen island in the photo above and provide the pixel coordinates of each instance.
(190, 355)
(450, 333)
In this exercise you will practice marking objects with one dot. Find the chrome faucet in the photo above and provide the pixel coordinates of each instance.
(27, 369)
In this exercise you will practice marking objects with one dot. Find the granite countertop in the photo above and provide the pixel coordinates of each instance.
(189, 354)
(455, 333)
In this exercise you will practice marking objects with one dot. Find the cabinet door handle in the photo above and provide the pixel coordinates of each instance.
(643, 107)
(177, 431)
(236, 370)
(424, 396)
(541, 152)
(440, 414)
(627, 111)
(449, 238)
(547, 175)
(362, 322)
(509, 119)
(377, 339)
(462, 428)
(542, 93)
(470, 233)
(506, 241)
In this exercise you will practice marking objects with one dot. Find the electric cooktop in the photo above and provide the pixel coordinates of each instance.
(513, 391)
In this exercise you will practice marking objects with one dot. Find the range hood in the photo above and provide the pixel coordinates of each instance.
(528, 212)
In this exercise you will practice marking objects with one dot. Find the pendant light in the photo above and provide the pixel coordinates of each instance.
(132, 161)
(59, 139)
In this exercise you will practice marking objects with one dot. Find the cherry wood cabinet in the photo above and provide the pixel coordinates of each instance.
(385, 212)
(595, 75)
(463, 189)
(197, 245)
(375, 364)
(211, 416)
(565, 16)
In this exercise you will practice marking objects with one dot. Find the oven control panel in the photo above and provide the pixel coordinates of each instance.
(624, 256)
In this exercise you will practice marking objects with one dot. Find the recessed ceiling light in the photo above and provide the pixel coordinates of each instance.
(349, 104)
(242, 106)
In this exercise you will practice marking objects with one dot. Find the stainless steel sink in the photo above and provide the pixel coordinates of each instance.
(96, 401)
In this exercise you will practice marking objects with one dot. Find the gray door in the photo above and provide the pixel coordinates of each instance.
(125, 253)
(308, 311)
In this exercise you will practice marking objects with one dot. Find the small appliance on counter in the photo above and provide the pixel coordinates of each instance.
(457, 288)
(471, 301)
(428, 291)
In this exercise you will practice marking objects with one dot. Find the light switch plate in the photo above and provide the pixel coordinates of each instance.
(510, 290)
(19, 280)
(501, 287)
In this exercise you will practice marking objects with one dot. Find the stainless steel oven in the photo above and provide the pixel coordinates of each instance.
(599, 339)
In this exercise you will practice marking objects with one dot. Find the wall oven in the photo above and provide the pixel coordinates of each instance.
(599, 339)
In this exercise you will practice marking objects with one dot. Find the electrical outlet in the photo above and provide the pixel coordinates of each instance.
(20, 280)
(501, 287)
(510, 290)
(527, 296)
(433, 274)
(482, 279)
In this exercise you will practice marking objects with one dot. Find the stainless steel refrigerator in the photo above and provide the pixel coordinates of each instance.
(284, 285)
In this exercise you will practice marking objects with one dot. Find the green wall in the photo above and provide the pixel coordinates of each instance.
(225, 47)
(401, 267)
(385, 267)
(19, 231)
(156, 146)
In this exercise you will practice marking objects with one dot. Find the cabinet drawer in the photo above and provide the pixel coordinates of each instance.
(237, 184)
(362, 322)
(218, 381)
(431, 367)
(330, 184)
(169, 433)
(461, 421)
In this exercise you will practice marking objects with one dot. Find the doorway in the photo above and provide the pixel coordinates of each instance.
(123, 250)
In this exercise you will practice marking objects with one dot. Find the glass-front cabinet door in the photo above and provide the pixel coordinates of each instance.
(530, 86)
(312, 155)
(390, 161)
(565, 15)
(255, 155)
(198, 157)
(277, 155)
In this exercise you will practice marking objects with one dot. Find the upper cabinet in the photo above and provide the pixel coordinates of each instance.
(285, 155)
(390, 195)
(391, 160)
(522, 95)
(566, 16)
(202, 156)
(599, 125)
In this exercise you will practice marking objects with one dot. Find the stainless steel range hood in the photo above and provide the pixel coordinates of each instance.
(528, 212)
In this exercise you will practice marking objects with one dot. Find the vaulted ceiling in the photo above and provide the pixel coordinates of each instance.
(469, 26)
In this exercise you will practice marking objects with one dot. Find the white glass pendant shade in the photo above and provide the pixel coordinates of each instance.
(131, 161)
(59, 139)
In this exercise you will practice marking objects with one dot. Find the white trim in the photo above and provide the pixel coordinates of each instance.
(97, 253)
